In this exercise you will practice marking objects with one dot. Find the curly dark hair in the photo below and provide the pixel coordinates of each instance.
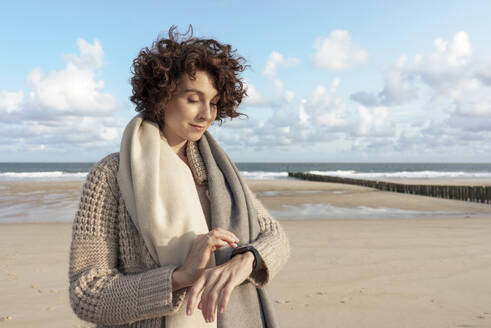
(157, 70)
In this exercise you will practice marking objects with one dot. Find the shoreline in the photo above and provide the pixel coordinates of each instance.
(286, 199)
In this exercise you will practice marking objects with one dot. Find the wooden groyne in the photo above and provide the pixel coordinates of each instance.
(479, 194)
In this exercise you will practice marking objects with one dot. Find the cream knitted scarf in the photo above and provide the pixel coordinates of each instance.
(162, 200)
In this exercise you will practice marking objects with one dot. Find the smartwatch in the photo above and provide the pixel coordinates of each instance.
(243, 249)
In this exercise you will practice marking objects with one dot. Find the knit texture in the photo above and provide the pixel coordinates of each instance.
(196, 163)
(113, 280)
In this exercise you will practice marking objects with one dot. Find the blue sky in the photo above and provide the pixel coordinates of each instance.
(356, 81)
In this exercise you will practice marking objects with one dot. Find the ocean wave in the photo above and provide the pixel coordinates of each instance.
(263, 175)
(376, 175)
(406, 174)
(42, 176)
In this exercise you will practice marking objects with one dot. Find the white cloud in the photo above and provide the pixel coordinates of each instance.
(335, 84)
(483, 71)
(324, 107)
(279, 86)
(281, 94)
(337, 52)
(302, 114)
(456, 102)
(372, 121)
(10, 101)
(276, 60)
(289, 95)
(444, 70)
(73, 90)
(254, 98)
(447, 66)
(442, 99)
(472, 101)
(91, 55)
(320, 117)
(109, 134)
(65, 110)
(452, 53)
(399, 88)
(446, 138)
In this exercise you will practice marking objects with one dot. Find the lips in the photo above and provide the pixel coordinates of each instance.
(198, 126)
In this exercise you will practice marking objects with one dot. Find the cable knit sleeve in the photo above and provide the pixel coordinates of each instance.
(98, 291)
(272, 245)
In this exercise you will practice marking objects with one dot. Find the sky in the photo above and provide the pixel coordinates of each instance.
(344, 81)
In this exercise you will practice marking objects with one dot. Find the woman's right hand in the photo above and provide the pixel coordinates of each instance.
(201, 252)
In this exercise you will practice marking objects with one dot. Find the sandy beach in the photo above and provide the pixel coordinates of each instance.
(360, 257)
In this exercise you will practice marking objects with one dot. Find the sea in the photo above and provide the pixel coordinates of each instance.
(447, 171)
(23, 202)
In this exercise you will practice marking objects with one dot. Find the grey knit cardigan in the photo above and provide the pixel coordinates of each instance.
(114, 281)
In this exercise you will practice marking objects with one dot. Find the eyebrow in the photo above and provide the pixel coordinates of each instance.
(198, 91)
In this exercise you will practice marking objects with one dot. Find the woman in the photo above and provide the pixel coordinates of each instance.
(167, 226)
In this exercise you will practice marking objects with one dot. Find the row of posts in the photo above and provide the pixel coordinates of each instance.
(479, 194)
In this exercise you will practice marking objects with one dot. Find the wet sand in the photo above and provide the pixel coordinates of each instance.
(428, 268)
(38, 201)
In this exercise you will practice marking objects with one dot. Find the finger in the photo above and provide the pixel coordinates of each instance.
(214, 296)
(208, 294)
(225, 296)
(228, 237)
(200, 306)
(213, 243)
(204, 314)
(198, 299)
(211, 300)
(216, 236)
(219, 302)
(229, 233)
(193, 295)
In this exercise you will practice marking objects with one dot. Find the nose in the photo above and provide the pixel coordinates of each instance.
(206, 112)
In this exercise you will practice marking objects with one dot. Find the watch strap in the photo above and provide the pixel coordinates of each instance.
(243, 249)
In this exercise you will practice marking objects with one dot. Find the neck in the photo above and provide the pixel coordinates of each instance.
(179, 147)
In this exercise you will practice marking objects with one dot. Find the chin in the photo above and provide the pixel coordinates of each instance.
(195, 137)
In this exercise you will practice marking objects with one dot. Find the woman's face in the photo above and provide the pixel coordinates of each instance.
(192, 105)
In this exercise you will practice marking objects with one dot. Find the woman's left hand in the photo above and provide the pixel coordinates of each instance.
(216, 285)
